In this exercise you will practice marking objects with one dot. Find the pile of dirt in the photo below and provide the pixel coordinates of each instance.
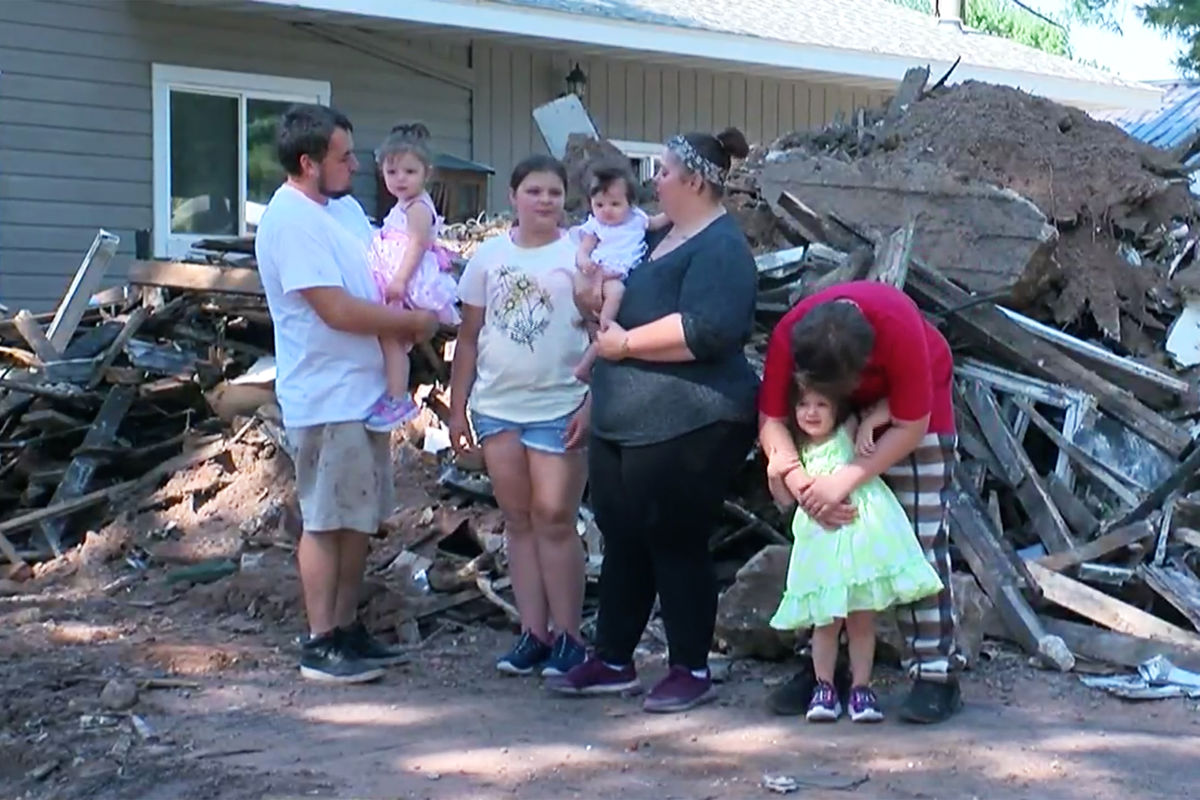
(1119, 204)
(1073, 167)
(1099, 185)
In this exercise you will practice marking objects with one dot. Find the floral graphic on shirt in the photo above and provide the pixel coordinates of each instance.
(522, 308)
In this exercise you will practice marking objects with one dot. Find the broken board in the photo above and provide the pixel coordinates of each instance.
(1107, 611)
(987, 238)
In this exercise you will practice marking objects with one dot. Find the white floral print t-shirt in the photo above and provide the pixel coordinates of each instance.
(531, 339)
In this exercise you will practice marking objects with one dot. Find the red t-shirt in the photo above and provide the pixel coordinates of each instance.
(910, 364)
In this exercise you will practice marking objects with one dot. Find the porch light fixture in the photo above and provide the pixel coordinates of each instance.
(577, 82)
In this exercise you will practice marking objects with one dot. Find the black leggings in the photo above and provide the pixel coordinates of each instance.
(657, 506)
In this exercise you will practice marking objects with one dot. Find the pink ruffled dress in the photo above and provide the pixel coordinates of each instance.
(432, 286)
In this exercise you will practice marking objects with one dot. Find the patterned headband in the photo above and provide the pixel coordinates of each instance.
(694, 161)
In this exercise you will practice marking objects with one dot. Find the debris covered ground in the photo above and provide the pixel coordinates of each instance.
(148, 601)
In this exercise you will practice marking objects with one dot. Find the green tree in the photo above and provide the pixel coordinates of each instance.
(1008, 19)
(1002, 18)
(1178, 17)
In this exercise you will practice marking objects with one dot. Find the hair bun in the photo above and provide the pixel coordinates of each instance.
(415, 131)
(734, 143)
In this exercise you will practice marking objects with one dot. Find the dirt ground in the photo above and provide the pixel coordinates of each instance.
(238, 723)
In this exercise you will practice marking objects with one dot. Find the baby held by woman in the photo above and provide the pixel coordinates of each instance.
(612, 242)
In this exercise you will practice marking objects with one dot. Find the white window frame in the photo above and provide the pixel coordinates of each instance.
(242, 85)
(647, 154)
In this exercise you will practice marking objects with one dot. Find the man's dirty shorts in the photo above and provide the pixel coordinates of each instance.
(344, 476)
(547, 436)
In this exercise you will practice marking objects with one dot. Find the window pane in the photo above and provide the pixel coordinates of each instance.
(263, 173)
(204, 164)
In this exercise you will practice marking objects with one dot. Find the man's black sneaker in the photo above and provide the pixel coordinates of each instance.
(363, 646)
(930, 702)
(791, 699)
(324, 659)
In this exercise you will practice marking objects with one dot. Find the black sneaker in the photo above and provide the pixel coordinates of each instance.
(792, 698)
(324, 659)
(930, 702)
(365, 647)
(528, 654)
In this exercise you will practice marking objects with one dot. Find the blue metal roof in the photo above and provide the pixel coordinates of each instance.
(1167, 126)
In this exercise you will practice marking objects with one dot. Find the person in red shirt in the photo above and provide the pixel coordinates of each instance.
(868, 341)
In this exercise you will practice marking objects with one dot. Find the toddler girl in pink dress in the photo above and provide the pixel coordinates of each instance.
(410, 268)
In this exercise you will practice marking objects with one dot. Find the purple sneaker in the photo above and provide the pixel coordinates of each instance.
(679, 691)
(593, 676)
(864, 705)
(390, 413)
(825, 706)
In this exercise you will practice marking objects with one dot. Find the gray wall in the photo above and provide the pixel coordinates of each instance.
(637, 102)
(75, 112)
(75, 122)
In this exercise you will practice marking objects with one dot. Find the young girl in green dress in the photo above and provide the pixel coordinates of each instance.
(842, 577)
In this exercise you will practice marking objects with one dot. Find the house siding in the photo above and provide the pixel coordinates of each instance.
(637, 102)
(75, 117)
(76, 126)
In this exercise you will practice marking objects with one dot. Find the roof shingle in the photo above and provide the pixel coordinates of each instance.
(876, 26)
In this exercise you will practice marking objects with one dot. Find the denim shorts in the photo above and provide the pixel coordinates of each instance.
(547, 436)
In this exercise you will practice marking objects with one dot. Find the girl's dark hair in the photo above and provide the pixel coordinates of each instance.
(800, 385)
(537, 163)
(402, 139)
(720, 149)
(602, 177)
(831, 345)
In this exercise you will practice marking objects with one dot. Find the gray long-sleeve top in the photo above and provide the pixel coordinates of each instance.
(711, 281)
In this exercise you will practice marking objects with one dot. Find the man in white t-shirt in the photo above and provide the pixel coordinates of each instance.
(311, 246)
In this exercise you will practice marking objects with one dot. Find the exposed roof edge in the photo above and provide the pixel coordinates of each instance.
(698, 43)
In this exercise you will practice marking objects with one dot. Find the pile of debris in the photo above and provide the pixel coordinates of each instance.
(117, 392)
(1075, 493)
(1017, 197)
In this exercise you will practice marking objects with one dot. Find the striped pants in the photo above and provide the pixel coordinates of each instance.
(921, 483)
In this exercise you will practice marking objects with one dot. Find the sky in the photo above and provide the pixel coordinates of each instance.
(1138, 53)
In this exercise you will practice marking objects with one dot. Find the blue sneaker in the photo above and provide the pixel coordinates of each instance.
(567, 654)
(527, 654)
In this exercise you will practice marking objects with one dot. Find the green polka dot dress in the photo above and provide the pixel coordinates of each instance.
(869, 565)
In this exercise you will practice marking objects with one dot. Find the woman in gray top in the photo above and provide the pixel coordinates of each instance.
(673, 417)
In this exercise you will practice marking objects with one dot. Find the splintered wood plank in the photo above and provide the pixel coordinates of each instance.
(892, 256)
(83, 285)
(1121, 649)
(1107, 611)
(910, 90)
(1030, 489)
(1155, 498)
(1098, 548)
(1177, 585)
(31, 331)
(1077, 515)
(83, 467)
(196, 277)
(10, 552)
(1085, 460)
(985, 326)
(971, 531)
(131, 327)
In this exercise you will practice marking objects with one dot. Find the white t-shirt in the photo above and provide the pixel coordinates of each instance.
(322, 375)
(620, 247)
(531, 340)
